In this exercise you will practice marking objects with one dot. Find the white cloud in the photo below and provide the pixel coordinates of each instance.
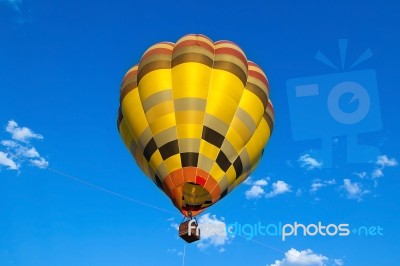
(254, 192)
(261, 182)
(381, 163)
(9, 143)
(378, 172)
(354, 190)
(318, 184)
(213, 231)
(278, 187)
(24, 151)
(299, 192)
(175, 226)
(20, 149)
(31, 153)
(330, 182)
(306, 161)
(360, 174)
(8, 162)
(41, 162)
(338, 262)
(384, 161)
(22, 134)
(306, 257)
(248, 181)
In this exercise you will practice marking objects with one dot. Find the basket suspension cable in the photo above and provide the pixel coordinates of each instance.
(184, 218)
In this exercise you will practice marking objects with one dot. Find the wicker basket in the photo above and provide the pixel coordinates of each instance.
(193, 234)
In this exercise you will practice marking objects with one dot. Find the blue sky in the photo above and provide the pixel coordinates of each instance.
(61, 65)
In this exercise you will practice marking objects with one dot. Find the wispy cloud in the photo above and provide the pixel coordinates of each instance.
(7, 162)
(17, 11)
(306, 257)
(22, 134)
(378, 172)
(213, 231)
(338, 262)
(175, 252)
(278, 187)
(308, 162)
(384, 161)
(248, 181)
(40, 162)
(318, 184)
(261, 182)
(14, 4)
(19, 150)
(175, 226)
(256, 190)
(354, 190)
(361, 174)
(381, 163)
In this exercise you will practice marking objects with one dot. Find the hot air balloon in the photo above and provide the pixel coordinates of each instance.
(196, 116)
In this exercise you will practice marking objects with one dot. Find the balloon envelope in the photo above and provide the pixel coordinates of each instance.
(196, 116)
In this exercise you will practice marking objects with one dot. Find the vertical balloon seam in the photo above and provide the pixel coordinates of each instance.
(177, 135)
(164, 161)
(139, 157)
(246, 172)
(122, 122)
(197, 42)
(238, 175)
(220, 149)
(148, 53)
(181, 199)
(205, 107)
(241, 179)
